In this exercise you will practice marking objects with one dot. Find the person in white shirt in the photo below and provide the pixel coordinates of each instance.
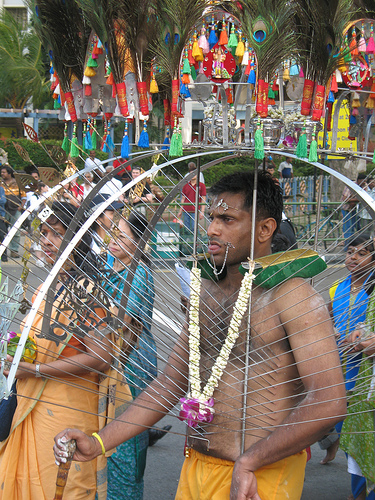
(88, 183)
(91, 161)
(112, 186)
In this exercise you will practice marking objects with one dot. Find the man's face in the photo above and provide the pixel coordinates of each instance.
(358, 260)
(92, 154)
(194, 180)
(35, 175)
(136, 173)
(4, 174)
(230, 227)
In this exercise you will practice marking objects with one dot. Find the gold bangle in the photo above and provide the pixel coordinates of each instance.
(96, 435)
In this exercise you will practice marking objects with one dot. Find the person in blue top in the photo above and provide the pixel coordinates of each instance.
(126, 466)
(286, 169)
(349, 301)
(3, 227)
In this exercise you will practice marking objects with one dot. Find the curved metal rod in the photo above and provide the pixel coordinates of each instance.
(363, 196)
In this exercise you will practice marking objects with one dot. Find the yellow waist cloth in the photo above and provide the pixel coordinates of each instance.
(209, 478)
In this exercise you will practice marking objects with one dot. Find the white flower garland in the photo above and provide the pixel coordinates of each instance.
(232, 336)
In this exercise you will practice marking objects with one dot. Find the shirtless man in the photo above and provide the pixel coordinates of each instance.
(295, 390)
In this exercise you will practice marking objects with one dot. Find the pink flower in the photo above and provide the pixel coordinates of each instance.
(11, 335)
(195, 412)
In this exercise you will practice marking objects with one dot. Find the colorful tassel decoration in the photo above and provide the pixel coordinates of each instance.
(245, 59)
(294, 69)
(94, 136)
(88, 142)
(74, 151)
(154, 88)
(353, 44)
(92, 63)
(338, 76)
(166, 141)
(125, 142)
(301, 151)
(197, 52)
(144, 141)
(232, 42)
(223, 40)
(186, 70)
(252, 78)
(334, 86)
(108, 145)
(65, 146)
(89, 72)
(259, 143)
(356, 103)
(313, 154)
(203, 42)
(240, 49)
(362, 41)
(286, 75)
(212, 39)
(176, 141)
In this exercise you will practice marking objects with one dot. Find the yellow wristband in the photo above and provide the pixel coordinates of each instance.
(96, 435)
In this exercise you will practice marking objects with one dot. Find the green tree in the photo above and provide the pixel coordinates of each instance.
(23, 69)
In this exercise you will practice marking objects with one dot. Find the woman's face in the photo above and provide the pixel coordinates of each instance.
(50, 240)
(358, 260)
(122, 245)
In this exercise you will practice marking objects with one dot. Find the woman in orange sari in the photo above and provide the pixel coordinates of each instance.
(61, 386)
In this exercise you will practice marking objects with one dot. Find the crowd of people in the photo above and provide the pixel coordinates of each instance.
(96, 373)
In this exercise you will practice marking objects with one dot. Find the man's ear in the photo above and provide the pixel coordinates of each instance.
(265, 229)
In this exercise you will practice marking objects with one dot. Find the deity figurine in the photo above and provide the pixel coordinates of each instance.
(218, 69)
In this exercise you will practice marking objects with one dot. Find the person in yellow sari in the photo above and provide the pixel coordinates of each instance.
(62, 385)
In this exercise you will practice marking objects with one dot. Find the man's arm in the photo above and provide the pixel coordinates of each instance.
(147, 409)
(310, 334)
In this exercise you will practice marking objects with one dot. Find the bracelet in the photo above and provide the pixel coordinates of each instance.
(37, 371)
(96, 435)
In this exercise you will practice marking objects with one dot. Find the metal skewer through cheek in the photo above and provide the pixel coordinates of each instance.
(248, 337)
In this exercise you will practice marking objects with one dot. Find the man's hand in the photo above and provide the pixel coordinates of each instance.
(244, 483)
(88, 447)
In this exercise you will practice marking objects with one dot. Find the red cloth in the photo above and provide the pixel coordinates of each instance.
(121, 161)
(189, 192)
(76, 189)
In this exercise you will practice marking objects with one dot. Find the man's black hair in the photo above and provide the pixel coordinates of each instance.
(269, 195)
(362, 239)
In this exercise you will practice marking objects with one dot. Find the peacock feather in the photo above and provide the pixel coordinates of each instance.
(64, 32)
